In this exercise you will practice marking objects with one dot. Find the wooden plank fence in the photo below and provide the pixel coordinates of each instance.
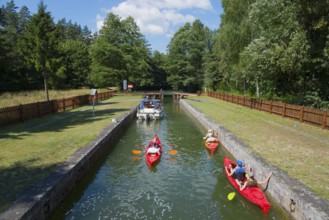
(20, 113)
(300, 113)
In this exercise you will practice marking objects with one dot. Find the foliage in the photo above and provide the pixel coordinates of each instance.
(186, 53)
(119, 53)
(273, 49)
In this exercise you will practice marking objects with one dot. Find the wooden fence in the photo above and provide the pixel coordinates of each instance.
(20, 113)
(303, 114)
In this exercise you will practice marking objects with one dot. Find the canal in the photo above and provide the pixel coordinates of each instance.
(188, 185)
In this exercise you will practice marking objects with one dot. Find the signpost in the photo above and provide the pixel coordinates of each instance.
(93, 93)
(125, 85)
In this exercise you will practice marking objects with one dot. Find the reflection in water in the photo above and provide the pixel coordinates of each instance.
(186, 185)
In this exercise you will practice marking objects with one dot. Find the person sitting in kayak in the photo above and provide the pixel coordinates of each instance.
(251, 181)
(210, 137)
(155, 140)
(238, 172)
(155, 149)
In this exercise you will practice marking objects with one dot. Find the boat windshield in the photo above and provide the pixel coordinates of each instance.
(155, 104)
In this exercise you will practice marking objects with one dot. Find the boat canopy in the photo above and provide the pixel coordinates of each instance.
(150, 103)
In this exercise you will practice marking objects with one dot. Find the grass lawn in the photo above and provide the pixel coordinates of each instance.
(16, 98)
(30, 150)
(300, 149)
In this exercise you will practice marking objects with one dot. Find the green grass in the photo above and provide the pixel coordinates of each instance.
(17, 98)
(30, 150)
(300, 149)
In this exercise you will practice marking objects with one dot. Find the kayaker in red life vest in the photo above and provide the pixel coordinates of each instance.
(237, 172)
(251, 181)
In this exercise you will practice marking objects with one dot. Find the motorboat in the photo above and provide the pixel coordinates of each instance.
(150, 109)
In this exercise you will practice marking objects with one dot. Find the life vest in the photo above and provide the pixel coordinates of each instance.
(239, 173)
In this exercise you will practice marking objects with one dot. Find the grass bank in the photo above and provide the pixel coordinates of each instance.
(16, 98)
(30, 150)
(300, 149)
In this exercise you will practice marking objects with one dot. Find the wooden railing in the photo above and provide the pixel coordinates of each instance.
(303, 114)
(20, 113)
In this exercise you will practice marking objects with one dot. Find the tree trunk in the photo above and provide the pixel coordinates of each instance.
(46, 86)
(257, 88)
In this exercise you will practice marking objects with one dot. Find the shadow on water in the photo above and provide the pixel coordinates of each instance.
(187, 185)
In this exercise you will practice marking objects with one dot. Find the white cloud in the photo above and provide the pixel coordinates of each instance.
(99, 21)
(157, 17)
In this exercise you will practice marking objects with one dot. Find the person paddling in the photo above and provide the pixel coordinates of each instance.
(251, 181)
(237, 172)
(155, 149)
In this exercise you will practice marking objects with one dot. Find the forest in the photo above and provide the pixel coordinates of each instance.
(268, 49)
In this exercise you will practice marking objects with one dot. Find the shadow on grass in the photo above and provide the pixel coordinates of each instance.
(15, 179)
(57, 122)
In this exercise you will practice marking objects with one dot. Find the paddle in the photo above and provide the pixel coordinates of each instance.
(172, 152)
(136, 151)
(230, 196)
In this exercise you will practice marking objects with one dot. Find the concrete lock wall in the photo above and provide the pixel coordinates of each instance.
(297, 199)
(42, 199)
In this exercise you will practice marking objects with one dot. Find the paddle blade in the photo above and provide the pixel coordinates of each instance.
(135, 158)
(172, 152)
(136, 151)
(172, 159)
(231, 195)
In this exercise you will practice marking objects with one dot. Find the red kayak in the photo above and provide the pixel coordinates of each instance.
(254, 194)
(212, 146)
(152, 158)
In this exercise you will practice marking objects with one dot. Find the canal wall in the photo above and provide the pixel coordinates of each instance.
(294, 197)
(41, 199)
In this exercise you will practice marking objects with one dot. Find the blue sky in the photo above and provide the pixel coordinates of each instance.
(158, 20)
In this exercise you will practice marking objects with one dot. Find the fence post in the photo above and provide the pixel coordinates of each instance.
(38, 109)
(284, 110)
(20, 112)
(53, 103)
(271, 106)
(260, 105)
(301, 114)
(63, 104)
(324, 119)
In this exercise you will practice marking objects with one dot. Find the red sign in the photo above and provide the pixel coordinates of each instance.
(130, 86)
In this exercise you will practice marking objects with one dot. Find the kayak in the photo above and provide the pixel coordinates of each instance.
(152, 158)
(254, 194)
(212, 146)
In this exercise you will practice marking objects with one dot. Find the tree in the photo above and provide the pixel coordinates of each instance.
(186, 52)
(39, 44)
(119, 53)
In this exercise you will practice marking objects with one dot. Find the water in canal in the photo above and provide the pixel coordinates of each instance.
(188, 185)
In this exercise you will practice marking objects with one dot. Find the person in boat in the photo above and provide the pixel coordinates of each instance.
(154, 149)
(210, 136)
(156, 141)
(238, 172)
(251, 181)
